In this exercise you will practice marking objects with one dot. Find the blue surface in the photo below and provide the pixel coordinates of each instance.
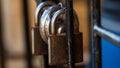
(110, 55)
(110, 52)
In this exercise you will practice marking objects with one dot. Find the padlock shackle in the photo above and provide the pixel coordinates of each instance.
(55, 18)
(46, 13)
(39, 10)
(48, 22)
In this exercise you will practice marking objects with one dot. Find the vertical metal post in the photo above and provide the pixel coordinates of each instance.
(96, 40)
(70, 32)
(2, 61)
(27, 34)
(90, 31)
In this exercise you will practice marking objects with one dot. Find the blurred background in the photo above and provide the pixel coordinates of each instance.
(13, 31)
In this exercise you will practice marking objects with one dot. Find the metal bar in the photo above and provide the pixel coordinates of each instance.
(97, 39)
(70, 31)
(2, 56)
(92, 34)
(96, 19)
(27, 34)
(89, 4)
(107, 35)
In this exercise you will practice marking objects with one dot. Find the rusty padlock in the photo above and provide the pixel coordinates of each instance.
(39, 47)
(57, 48)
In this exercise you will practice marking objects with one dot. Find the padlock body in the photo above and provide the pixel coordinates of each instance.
(57, 48)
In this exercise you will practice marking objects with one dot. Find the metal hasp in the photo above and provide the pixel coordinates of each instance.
(96, 40)
(27, 34)
(70, 31)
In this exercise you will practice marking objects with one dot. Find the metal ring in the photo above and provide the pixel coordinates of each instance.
(39, 10)
(43, 18)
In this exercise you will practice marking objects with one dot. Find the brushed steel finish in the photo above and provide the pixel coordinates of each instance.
(40, 8)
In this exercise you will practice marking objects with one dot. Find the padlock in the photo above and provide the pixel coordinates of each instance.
(39, 47)
(57, 48)
(49, 11)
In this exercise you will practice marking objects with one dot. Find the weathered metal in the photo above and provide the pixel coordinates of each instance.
(58, 49)
(39, 46)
